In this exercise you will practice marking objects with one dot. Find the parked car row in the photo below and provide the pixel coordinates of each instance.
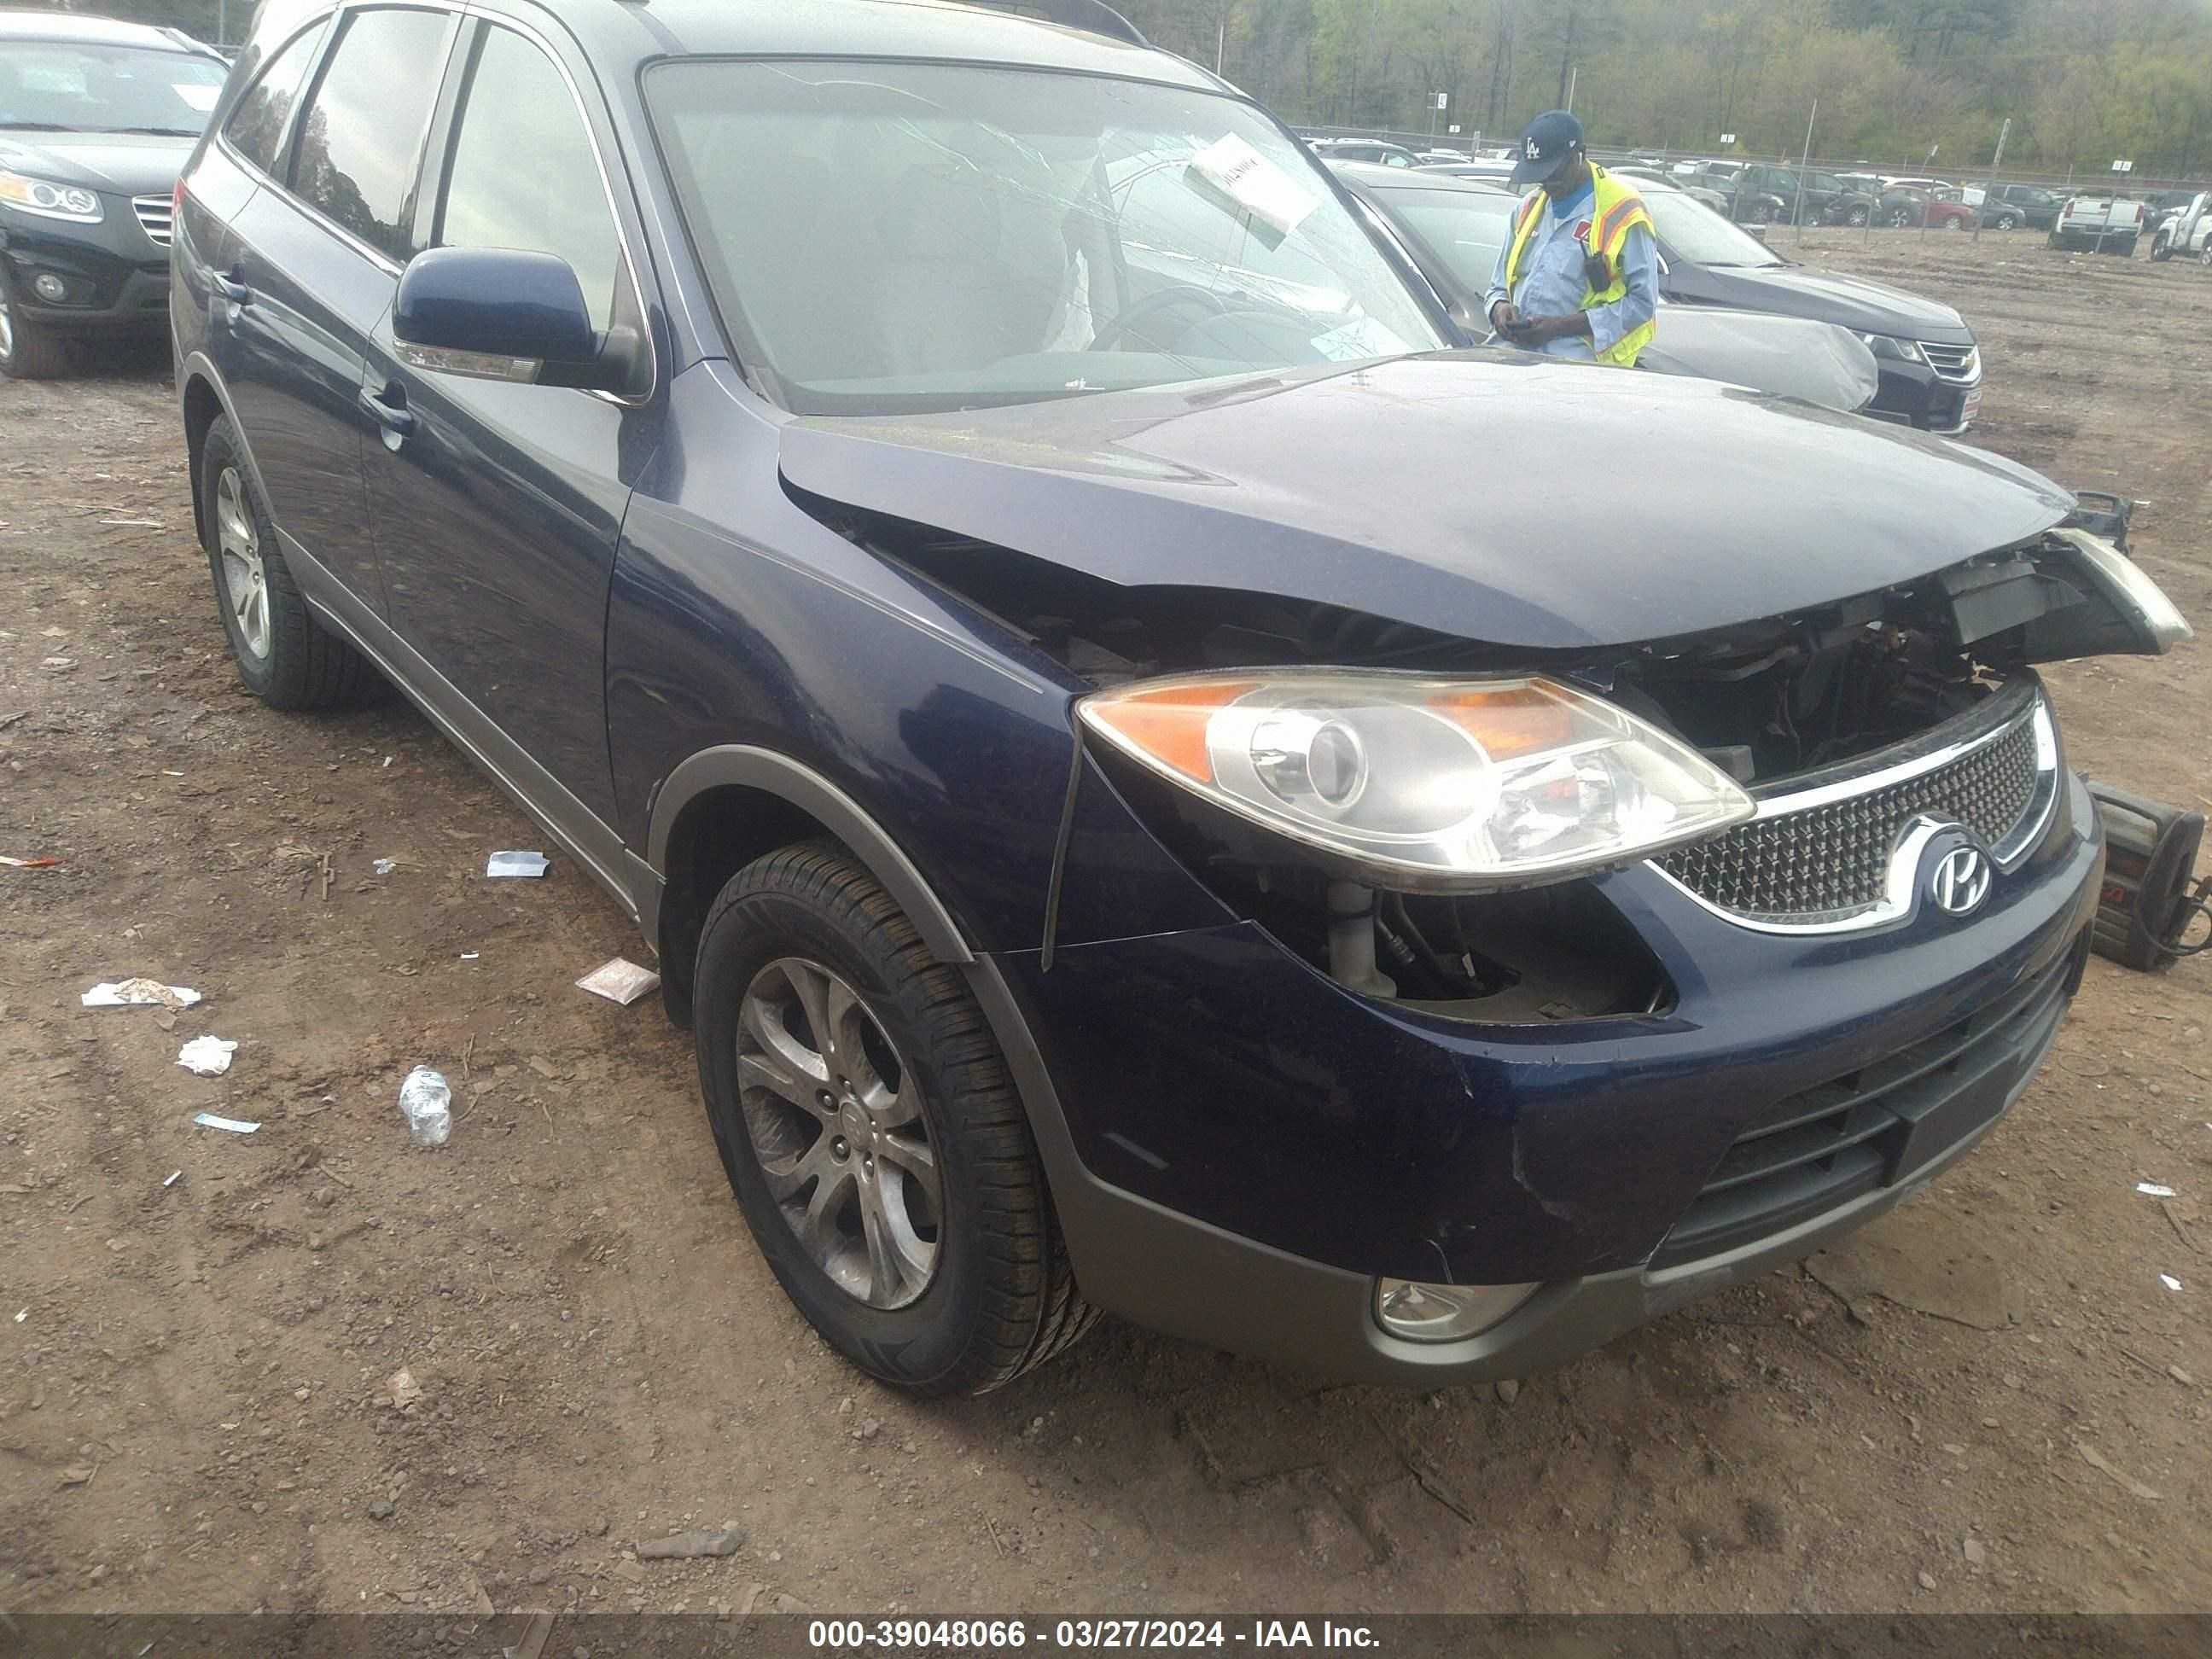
(2186, 230)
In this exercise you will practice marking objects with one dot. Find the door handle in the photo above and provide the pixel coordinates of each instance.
(393, 419)
(234, 291)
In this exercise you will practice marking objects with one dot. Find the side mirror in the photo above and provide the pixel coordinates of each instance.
(500, 315)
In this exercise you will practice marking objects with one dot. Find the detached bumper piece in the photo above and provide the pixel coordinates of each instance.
(2146, 905)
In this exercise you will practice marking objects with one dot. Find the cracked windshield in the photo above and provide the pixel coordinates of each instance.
(903, 237)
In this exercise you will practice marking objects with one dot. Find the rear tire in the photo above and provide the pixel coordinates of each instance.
(1856, 217)
(29, 350)
(2161, 249)
(285, 654)
(2007, 221)
(934, 1260)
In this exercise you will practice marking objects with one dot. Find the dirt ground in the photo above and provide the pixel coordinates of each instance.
(1990, 1402)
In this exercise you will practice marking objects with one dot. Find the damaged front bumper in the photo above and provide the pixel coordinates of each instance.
(1239, 1148)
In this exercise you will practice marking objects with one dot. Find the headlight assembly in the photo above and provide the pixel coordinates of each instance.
(1889, 346)
(48, 199)
(1452, 784)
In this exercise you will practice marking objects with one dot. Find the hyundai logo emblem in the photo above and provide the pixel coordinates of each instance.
(1961, 882)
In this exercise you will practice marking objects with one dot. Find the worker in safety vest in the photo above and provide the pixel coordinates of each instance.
(1579, 275)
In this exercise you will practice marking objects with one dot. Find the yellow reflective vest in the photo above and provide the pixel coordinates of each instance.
(1615, 209)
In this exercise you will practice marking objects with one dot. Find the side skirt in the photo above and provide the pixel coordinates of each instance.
(581, 832)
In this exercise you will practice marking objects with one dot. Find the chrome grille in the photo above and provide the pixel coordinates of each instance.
(1831, 861)
(1952, 362)
(153, 213)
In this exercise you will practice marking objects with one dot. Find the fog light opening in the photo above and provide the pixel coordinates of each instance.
(50, 288)
(1443, 1313)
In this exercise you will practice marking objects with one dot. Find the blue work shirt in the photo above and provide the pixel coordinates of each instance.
(1552, 283)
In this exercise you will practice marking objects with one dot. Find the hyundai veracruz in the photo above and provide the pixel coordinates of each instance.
(1144, 799)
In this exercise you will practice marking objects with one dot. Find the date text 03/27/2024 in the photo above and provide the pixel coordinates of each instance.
(1003, 1635)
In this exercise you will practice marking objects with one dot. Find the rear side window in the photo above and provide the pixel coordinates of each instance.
(523, 174)
(362, 134)
(256, 129)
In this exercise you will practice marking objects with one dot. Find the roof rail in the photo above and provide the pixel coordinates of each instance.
(1092, 17)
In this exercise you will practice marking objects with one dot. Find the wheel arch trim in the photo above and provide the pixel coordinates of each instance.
(772, 772)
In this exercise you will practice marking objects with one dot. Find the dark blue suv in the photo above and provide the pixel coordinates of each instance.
(1159, 786)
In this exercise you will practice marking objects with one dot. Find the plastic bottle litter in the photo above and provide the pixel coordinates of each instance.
(428, 1101)
(514, 865)
(385, 866)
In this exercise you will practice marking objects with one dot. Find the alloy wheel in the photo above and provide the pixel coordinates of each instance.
(835, 1119)
(245, 580)
(7, 324)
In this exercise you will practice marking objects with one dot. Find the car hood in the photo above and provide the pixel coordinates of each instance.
(1830, 297)
(1504, 497)
(120, 163)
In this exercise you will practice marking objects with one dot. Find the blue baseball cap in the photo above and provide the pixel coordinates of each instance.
(1549, 142)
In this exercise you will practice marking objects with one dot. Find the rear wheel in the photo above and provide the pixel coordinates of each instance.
(2204, 258)
(2007, 221)
(871, 1134)
(1857, 216)
(1898, 218)
(284, 653)
(1954, 224)
(2161, 248)
(29, 350)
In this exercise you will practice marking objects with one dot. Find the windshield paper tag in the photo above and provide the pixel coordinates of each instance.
(197, 94)
(1253, 183)
(1364, 337)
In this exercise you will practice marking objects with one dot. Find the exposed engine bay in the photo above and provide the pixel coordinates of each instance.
(1764, 700)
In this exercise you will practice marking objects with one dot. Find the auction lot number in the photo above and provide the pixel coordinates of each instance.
(1000, 1633)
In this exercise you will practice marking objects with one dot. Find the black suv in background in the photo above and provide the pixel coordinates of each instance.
(1826, 199)
(96, 116)
(2005, 207)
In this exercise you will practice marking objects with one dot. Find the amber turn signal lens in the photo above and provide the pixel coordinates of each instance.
(1508, 723)
(1170, 724)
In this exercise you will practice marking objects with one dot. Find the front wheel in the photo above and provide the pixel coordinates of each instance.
(2007, 221)
(2205, 257)
(1954, 224)
(1898, 218)
(2161, 249)
(1856, 217)
(871, 1133)
(29, 351)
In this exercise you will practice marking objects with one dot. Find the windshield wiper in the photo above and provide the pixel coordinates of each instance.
(159, 132)
(38, 126)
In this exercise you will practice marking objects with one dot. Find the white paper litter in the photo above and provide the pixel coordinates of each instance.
(620, 980)
(207, 1056)
(174, 1177)
(2152, 1189)
(2169, 1281)
(209, 1120)
(139, 994)
(385, 866)
(520, 865)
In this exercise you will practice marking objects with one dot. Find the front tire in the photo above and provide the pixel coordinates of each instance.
(284, 653)
(871, 1133)
(28, 350)
(2007, 221)
(2161, 249)
(1855, 218)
